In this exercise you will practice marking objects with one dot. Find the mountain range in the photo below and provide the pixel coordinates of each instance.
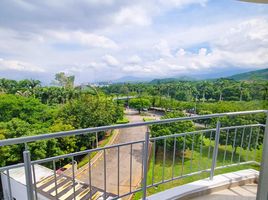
(261, 74)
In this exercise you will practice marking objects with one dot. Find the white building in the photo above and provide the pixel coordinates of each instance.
(18, 182)
(45, 185)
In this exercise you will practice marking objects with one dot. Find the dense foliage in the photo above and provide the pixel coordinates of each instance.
(212, 90)
(171, 129)
(51, 109)
(27, 108)
(140, 103)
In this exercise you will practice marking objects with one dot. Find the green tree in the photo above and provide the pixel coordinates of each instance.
(174, 128)
(65, 144)
(140, 103)
(63, 80)
(88, 111)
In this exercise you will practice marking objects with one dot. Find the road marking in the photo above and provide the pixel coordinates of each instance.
(70, 192)
(83, 193)
(44, 181)
(52, 185)
(60, 189)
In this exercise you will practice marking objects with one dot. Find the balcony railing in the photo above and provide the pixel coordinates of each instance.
(245, 140)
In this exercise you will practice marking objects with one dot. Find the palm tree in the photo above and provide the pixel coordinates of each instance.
(188, 89)
(204, 87)
(24, 93)
(220, 85)
(33, 84)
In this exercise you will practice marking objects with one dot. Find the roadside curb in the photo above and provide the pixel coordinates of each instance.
(99, 154)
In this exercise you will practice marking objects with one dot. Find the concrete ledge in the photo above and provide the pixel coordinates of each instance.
(206, 186)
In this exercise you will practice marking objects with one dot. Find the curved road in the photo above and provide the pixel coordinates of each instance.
(97, 172)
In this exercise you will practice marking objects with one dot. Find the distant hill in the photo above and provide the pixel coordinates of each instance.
(261, 74)
(252, 75)
(131, 79)
(170, 80)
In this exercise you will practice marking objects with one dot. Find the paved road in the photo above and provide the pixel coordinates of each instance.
(125, 135)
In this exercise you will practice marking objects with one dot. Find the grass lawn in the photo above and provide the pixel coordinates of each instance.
(200, 161)
(102, 143)
(123, 121)
(147, 119)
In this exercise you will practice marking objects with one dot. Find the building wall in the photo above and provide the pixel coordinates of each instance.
(19, 190)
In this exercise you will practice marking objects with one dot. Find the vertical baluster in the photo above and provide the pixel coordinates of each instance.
(225, 148)
(73, 176)
(55, 178)
(104, 168)
(233, 147)
(249, 141)
(9, 186)
(34, 177)
(97, 140)
(241, 145)
(145, 167)
(192, 154)
(209, 148)
(174, 156)
(28, 174)
(130, 178)
(154, 149)
(89, 176)
(25, 146)
(164, 160)
(215, 150)
(201, 151)
(262, 192)
(142, 159)
(118, 169)
(182, 162)
(256, 144)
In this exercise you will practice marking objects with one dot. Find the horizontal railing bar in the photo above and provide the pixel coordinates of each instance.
(11, 167)
(178, 177)
(241, 126)
(84, 152)
(203, 131)
(112, 127)
(236, 164)
(199, 172)
(181, 134)
(123, 144)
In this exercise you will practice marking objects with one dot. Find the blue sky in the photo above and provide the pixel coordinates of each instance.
(105, 40)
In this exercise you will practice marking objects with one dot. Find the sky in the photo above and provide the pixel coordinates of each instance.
(103, 40)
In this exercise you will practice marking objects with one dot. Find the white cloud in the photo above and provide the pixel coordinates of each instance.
(110, 60)
(180, 3)
(163, 48)
(18, 66)
(245, 36)
(112, 38)
(241, 46)
(135, 59)
(134, 15)
(83, 38)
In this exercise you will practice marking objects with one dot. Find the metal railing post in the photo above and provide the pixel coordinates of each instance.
(97, 140)
(215, 150)
(262, 192)
(28, 174)
(145, 164)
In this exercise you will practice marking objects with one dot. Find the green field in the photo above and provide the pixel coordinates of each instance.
(200, 161)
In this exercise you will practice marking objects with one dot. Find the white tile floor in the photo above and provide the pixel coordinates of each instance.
(246, 192)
